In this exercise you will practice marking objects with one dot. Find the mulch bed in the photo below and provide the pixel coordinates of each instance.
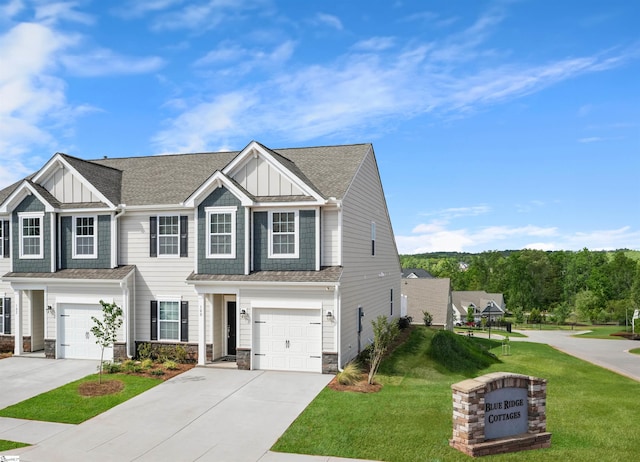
(110, 384)
(360, 387)
(363, 386)
(95, 388)
(5, 355)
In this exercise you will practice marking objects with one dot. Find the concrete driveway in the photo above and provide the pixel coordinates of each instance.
(204, 414)
(24, 377)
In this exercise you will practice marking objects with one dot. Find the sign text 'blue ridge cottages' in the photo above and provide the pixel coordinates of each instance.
(263, 256)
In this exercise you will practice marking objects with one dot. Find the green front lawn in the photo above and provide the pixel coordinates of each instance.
(603, 332)
(590, 411)
(6, 445)
(65, 405)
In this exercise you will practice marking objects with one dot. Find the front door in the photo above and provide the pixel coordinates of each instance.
(231, 328)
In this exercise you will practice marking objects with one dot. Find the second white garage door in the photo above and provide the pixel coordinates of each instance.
(287, 340)
(76, 340)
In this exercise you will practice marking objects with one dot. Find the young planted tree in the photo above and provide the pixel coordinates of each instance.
(106, 330)
(384, 332)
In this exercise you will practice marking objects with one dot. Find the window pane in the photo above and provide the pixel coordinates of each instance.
(220, 234)
(284, 233)
(169, 320)
(168, 235)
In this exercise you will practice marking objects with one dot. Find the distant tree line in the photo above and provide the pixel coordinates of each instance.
(559, 286)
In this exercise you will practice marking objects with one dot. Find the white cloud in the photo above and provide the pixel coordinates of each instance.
(438, 236)
(591, 139)
(102, 61)
(242, 60)
(203, 15)
(375, 44)
(455, 212)
(52, 13)
(369, 89)
(329, 20)
(11, 8)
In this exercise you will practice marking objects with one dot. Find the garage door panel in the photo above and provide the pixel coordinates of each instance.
(288, 339)
(75, 337)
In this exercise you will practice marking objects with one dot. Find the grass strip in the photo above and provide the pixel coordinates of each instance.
(6, 445)
(590, 411)
(66, 405)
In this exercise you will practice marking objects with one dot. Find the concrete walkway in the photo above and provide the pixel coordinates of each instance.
(204, 414)
(610, 354)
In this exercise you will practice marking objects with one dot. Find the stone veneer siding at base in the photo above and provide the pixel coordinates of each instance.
(243, 358)
(50, 348)
(329, 363)
(469, 415)
(7, 344)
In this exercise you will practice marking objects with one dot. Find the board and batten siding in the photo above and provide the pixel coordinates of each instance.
(330, 237)
(260, 178)
(157, 277)
(67, 188)
(367, 280)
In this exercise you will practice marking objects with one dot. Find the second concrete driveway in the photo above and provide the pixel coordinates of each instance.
(204, 414)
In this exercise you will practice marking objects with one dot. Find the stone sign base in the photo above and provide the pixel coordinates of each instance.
(522, 442)
(499, 413)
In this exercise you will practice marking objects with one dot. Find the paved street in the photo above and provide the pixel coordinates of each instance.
(610, 354)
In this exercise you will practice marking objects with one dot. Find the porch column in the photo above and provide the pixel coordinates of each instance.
(202, 331)
(17, 350)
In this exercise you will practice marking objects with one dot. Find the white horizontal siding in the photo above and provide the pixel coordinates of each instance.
(367, 280)
(157, 276)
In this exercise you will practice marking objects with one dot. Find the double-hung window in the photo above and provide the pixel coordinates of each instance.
(31, 235)
(85, 233)
(170, 320)
(168, 236)
(5, 315)
(221, 225)
(283, 234)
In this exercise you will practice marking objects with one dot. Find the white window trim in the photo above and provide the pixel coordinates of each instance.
(21, 217)
(93, 255)
(170, 300)
(2, 313)
(1, 241)
(221, 210)
(167, 255)
(296, 231)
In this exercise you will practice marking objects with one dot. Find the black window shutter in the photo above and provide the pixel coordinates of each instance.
(7, 316)
(184, 231)
(153, 236)
(184, 321)
(154, 320)
(5, 238)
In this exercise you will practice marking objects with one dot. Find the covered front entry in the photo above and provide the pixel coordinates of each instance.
(75, 338)
(287, 339)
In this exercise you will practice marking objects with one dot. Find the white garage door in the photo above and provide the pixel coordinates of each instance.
(287, 340)
(76, 340)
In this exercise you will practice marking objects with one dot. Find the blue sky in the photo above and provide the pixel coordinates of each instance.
(496, 124)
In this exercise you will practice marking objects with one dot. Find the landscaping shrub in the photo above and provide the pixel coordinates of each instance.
(427, 318)
(146, 363)
(350, 375)
(131, 366)
(109, 367)
(144, 351)
(458, 353)
(404, 322)
(170, 365)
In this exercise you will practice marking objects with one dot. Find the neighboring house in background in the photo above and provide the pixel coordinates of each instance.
(269, 257)
(482, 303)
(432, 295)
(413, 273)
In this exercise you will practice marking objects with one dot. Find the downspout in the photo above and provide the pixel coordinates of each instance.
(338, 310)
(115, 241)
(125, 302)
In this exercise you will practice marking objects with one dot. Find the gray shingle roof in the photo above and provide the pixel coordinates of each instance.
(170, 179)
(107, 180)
(329, 274)
(113, 274)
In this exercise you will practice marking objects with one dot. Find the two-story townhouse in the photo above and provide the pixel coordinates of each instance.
(278, 259)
